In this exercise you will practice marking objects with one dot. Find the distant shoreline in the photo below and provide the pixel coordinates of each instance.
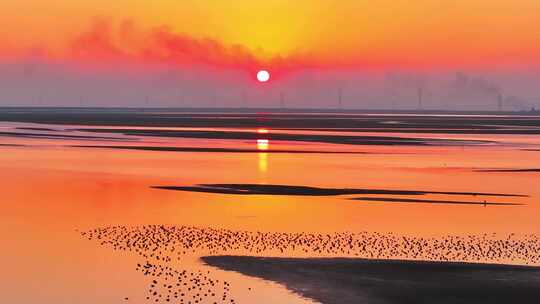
(370, 121)
(270, 110)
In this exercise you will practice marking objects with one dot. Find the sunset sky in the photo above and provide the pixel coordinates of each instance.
(282, 36)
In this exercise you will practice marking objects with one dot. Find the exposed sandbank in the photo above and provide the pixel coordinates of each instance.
(351, 281)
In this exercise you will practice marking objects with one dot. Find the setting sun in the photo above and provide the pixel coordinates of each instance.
(263, 76)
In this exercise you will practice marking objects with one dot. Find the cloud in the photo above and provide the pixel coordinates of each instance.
(108, 42)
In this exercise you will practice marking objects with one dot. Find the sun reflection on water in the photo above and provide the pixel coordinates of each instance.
(263, 162)
(262, 131)
(262, 145)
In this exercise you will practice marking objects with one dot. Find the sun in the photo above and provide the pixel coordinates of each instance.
(263, 76)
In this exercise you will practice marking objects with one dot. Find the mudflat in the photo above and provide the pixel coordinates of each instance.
(348, 281)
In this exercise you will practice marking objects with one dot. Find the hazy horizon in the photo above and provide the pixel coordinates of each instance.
(35, 83)
(458, 55)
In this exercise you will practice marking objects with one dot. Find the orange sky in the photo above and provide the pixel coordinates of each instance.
(246, 34)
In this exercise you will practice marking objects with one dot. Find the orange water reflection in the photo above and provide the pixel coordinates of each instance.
(263, 145)
(49, 191)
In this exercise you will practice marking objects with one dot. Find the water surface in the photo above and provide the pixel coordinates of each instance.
(60, 179)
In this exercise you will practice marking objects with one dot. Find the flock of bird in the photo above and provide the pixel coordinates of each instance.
(161, 245)
(185, 287)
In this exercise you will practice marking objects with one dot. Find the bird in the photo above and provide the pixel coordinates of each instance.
(159, 245)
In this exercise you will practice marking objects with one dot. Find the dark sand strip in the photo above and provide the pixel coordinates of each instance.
(36, 129)
(321, 138)
(482, 122)
(60, 136)
(353, 281)
(218, 150)
(11, 145)
(509, 170)
(406, 129)
(422, 201)
(258, 189)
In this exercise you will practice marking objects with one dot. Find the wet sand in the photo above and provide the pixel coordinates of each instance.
(216, 150)
(354, 120)
(425, 201)
(11, 145)
(57, 136)
(322, 119)
(511, 170)
(344, 281)
(310, 138)
(265, 189)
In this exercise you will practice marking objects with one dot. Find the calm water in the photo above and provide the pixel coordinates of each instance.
(50, 189)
